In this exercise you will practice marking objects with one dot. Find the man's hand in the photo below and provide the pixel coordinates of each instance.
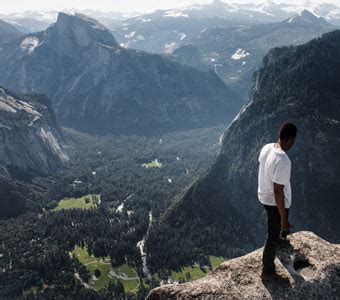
(285, 225)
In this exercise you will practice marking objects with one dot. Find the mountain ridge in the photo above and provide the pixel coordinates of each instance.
(8, 32)
(232, 49)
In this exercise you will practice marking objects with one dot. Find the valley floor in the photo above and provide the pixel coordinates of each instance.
(89, 218)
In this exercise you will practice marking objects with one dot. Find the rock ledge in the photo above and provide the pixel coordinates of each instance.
(309, 267)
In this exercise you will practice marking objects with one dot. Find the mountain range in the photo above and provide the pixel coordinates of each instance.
(252, 12)
(232, 38)
(232, 47)
(255, 12)
(162, 30)
(235, 52)
(97, 86)
(33, 21)
(219, 214)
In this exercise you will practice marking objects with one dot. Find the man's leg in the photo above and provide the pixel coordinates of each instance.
(273, 239)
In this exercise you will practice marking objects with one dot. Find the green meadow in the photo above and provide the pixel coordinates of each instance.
(154, 164)
(124, 273)
(85, 202)
(195, 271)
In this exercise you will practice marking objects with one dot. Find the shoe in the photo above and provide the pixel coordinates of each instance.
(285, 243)
(267, 274)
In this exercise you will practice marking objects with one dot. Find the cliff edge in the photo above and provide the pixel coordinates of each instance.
(309, 267)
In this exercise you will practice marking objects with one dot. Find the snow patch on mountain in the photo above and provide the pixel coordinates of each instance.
(176, 14)
(182, 36)
(29, 44)
(292, 19)
(130, 35)
(239, 54)
(170, 47)
(140, 38)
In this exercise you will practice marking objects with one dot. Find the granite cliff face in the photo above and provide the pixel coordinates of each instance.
(97, 86)
(30, 136)
(309, 267)
(220, 213)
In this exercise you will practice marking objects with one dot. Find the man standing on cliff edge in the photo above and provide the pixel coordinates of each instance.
(274, 192)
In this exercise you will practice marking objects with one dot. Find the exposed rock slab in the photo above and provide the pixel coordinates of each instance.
(31, 140)
(309, 267)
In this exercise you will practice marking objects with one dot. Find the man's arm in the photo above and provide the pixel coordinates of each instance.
(280, 203)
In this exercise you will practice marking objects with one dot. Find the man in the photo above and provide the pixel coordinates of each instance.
(274, 192)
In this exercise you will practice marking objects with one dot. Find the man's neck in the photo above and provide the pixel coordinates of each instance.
(281, 146)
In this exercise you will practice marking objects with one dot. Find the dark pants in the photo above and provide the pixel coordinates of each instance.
(273, 237)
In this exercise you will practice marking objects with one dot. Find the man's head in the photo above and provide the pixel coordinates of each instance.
(287, 135)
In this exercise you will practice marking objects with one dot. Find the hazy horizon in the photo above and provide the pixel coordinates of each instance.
(119, 6)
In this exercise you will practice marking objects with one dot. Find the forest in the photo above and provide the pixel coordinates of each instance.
(37, 238)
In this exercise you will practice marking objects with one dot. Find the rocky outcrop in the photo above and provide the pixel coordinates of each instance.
(309, 268)
(30, 136)
(97, 86)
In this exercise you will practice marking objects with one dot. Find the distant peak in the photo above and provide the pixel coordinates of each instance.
(308, 14)
(306, 17)
(78, 30)
(78, 17)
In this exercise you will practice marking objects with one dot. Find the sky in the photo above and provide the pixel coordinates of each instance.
(8, 6)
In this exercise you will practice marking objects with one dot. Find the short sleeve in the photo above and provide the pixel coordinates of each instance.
(260, 156)
(282, 172)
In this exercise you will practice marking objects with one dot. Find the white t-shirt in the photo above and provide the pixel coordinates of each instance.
(275, 166)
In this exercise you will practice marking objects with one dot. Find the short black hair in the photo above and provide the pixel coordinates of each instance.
(287, 130)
